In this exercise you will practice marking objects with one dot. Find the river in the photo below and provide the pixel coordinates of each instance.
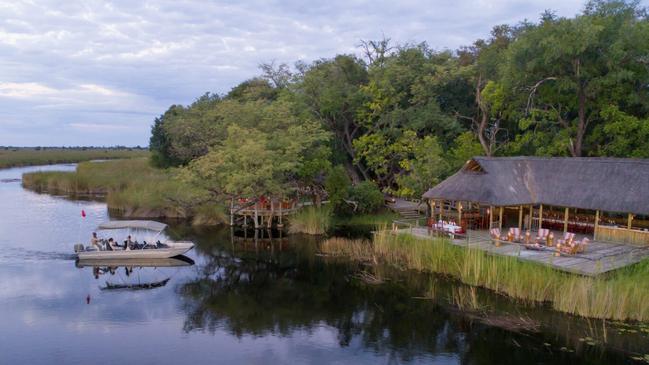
(266, 302)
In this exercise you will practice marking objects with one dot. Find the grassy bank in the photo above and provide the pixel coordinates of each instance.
(132, 189)
(24, 156)
(621, 295)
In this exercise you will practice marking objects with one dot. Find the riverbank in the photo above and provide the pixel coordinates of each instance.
(132, 189)
(620, 295)
(30, 156)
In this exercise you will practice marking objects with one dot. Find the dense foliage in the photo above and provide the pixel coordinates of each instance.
(406, 116)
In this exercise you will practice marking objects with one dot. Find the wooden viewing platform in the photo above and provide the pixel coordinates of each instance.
(600, 257)
(262, 213)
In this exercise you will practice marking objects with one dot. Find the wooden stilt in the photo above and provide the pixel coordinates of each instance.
(491, 216)
(280, 225)
(520, 217)
(459, 214)
(432, 204)
(596, 224)
(629, 221)
(500, 218)
(540, 216)
(531, 218)
(565, 220)
(256, 217)
(232, 212)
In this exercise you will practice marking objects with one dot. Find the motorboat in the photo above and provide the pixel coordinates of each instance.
(147, 249)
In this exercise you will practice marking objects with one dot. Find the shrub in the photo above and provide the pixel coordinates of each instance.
(368, 197)
(337, 185)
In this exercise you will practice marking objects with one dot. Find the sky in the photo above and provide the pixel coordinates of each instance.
(98, 72)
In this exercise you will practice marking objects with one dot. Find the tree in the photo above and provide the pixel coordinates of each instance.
(481, 67)
(623, 135)
(466, 147)
(279, 75)
(330, 91)
(266, 151)
(569, 69)
(159, 145)
(253, 89)
(423, 170)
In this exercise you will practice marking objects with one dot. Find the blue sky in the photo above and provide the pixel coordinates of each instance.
(98, 72)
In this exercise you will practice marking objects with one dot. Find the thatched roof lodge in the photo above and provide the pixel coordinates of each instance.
(608, 197)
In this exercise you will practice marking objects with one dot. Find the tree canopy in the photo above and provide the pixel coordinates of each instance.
(405, 116)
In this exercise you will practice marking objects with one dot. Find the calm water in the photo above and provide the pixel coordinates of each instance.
(273, 301)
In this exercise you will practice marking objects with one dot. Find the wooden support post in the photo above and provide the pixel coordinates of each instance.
(540, 216)
(520, 217)
(531, 219)
(491, 216)
(256, 217)
(441, 210)
(459, 214)
(629, 221)
(232, 212)
(281, 202)
(432, 204)
(596, 224)
(565, 220)
(500, 218)
(245, 220)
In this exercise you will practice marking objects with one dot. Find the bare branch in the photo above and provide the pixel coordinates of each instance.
(533, 92)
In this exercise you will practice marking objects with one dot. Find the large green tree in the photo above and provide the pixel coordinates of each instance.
(566, 70)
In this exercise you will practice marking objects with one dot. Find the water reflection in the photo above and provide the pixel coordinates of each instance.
(277, 288)
(136, 271)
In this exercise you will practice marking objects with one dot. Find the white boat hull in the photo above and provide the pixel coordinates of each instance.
(174, 249)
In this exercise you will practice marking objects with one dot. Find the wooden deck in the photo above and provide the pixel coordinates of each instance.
(600, 257)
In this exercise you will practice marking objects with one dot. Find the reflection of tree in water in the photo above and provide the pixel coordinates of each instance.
(254, 294)
(259, 290)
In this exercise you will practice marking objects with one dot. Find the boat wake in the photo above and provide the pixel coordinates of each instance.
(32, 255)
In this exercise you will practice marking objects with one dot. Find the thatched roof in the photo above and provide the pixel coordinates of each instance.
(608, 184)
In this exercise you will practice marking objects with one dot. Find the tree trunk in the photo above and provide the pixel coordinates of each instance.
(482, 126)
(581, 124)
(483, 113)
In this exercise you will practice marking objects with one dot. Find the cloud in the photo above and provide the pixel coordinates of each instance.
(122, 63)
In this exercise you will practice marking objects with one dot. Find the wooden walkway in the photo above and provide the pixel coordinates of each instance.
(600, 257)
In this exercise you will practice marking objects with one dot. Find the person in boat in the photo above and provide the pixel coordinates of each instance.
(94, 241)
(111, 245)
(129, 243)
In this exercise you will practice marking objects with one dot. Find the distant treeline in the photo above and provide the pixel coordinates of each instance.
(26, 156)
(81, 148)
(405, 115)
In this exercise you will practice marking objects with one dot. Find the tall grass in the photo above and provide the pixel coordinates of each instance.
(311, 220)
(358, 249)
(378, 219)
(133, 189)
(12, 157)
(622, 295)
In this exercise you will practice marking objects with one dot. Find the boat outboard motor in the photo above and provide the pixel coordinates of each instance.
(79, 247)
